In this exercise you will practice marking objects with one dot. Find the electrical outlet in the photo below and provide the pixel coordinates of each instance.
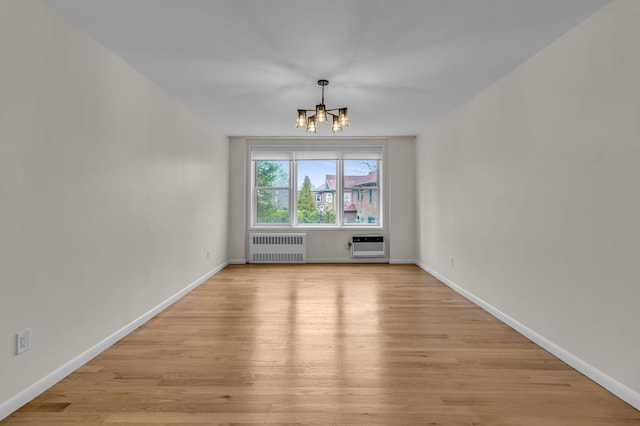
(23, 341)
(451, 261)
(208, 254)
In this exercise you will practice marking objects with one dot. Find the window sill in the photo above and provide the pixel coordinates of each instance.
(315, 228)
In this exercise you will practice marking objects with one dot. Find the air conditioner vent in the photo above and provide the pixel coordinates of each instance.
(367, 246)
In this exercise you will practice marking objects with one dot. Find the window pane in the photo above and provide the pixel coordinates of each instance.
(272, 206)
(318, 199)
(316, 188)
(272, 174)
(361, 175)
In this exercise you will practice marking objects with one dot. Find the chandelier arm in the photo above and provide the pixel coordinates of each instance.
(339, 115)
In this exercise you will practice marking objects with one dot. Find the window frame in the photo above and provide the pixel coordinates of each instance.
(294, 185)
(356, 196)
(256, 188)
(348, 152)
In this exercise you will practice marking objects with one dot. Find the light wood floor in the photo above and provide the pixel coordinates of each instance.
(326, 344)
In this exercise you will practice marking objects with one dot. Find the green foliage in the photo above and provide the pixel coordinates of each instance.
(306, 203)
(269, 208)
(307, 212)
(326, 217)
(272, 173)
(272, 204)
(269, 214)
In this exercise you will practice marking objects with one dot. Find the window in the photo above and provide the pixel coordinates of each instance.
(272, 192)
(296, 186)
(313, 176)
(357, 175)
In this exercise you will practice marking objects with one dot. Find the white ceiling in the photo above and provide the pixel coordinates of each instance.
(248, 65)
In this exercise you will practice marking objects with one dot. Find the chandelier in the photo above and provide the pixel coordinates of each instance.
(339, 119)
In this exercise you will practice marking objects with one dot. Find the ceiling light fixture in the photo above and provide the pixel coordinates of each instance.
(341, 118)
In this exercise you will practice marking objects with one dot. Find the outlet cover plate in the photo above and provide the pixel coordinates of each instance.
(23, 341)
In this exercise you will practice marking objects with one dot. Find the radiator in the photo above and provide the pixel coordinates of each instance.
(277, 248)
(367, 246)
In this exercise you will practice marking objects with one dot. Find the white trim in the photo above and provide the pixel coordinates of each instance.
(402, 262)
(309, 227)
(28, 394)
(287, 152)
(317, 139)
(622, 391)
(348, 260)
(237, 261)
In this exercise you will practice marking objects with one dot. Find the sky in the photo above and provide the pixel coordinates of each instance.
(318, 169)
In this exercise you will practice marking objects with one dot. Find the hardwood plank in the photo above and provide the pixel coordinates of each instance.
(325, 344)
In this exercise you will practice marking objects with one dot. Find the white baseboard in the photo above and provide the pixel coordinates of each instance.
(28, 394)
(237, 261)
(622, 391)
(349, 260)
(402, 261)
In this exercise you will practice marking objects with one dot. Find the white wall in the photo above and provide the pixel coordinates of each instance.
(237, 200)
(331, 245)
(401, 188)
(532, 187)
(111, 193)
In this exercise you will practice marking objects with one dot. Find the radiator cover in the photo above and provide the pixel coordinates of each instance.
(277, 248)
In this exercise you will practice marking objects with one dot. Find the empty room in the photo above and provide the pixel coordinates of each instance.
(356, 212)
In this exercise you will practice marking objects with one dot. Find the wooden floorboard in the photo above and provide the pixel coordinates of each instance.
(325, 344)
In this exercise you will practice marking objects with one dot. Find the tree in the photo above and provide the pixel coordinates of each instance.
(368, 166)
(307, 212)
(327, 217)
(271, 174)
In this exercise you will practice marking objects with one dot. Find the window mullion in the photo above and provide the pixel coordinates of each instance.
(293, 197)
(254, 184)
(339, 200)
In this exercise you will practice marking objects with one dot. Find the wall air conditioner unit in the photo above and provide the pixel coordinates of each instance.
(367, 246)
